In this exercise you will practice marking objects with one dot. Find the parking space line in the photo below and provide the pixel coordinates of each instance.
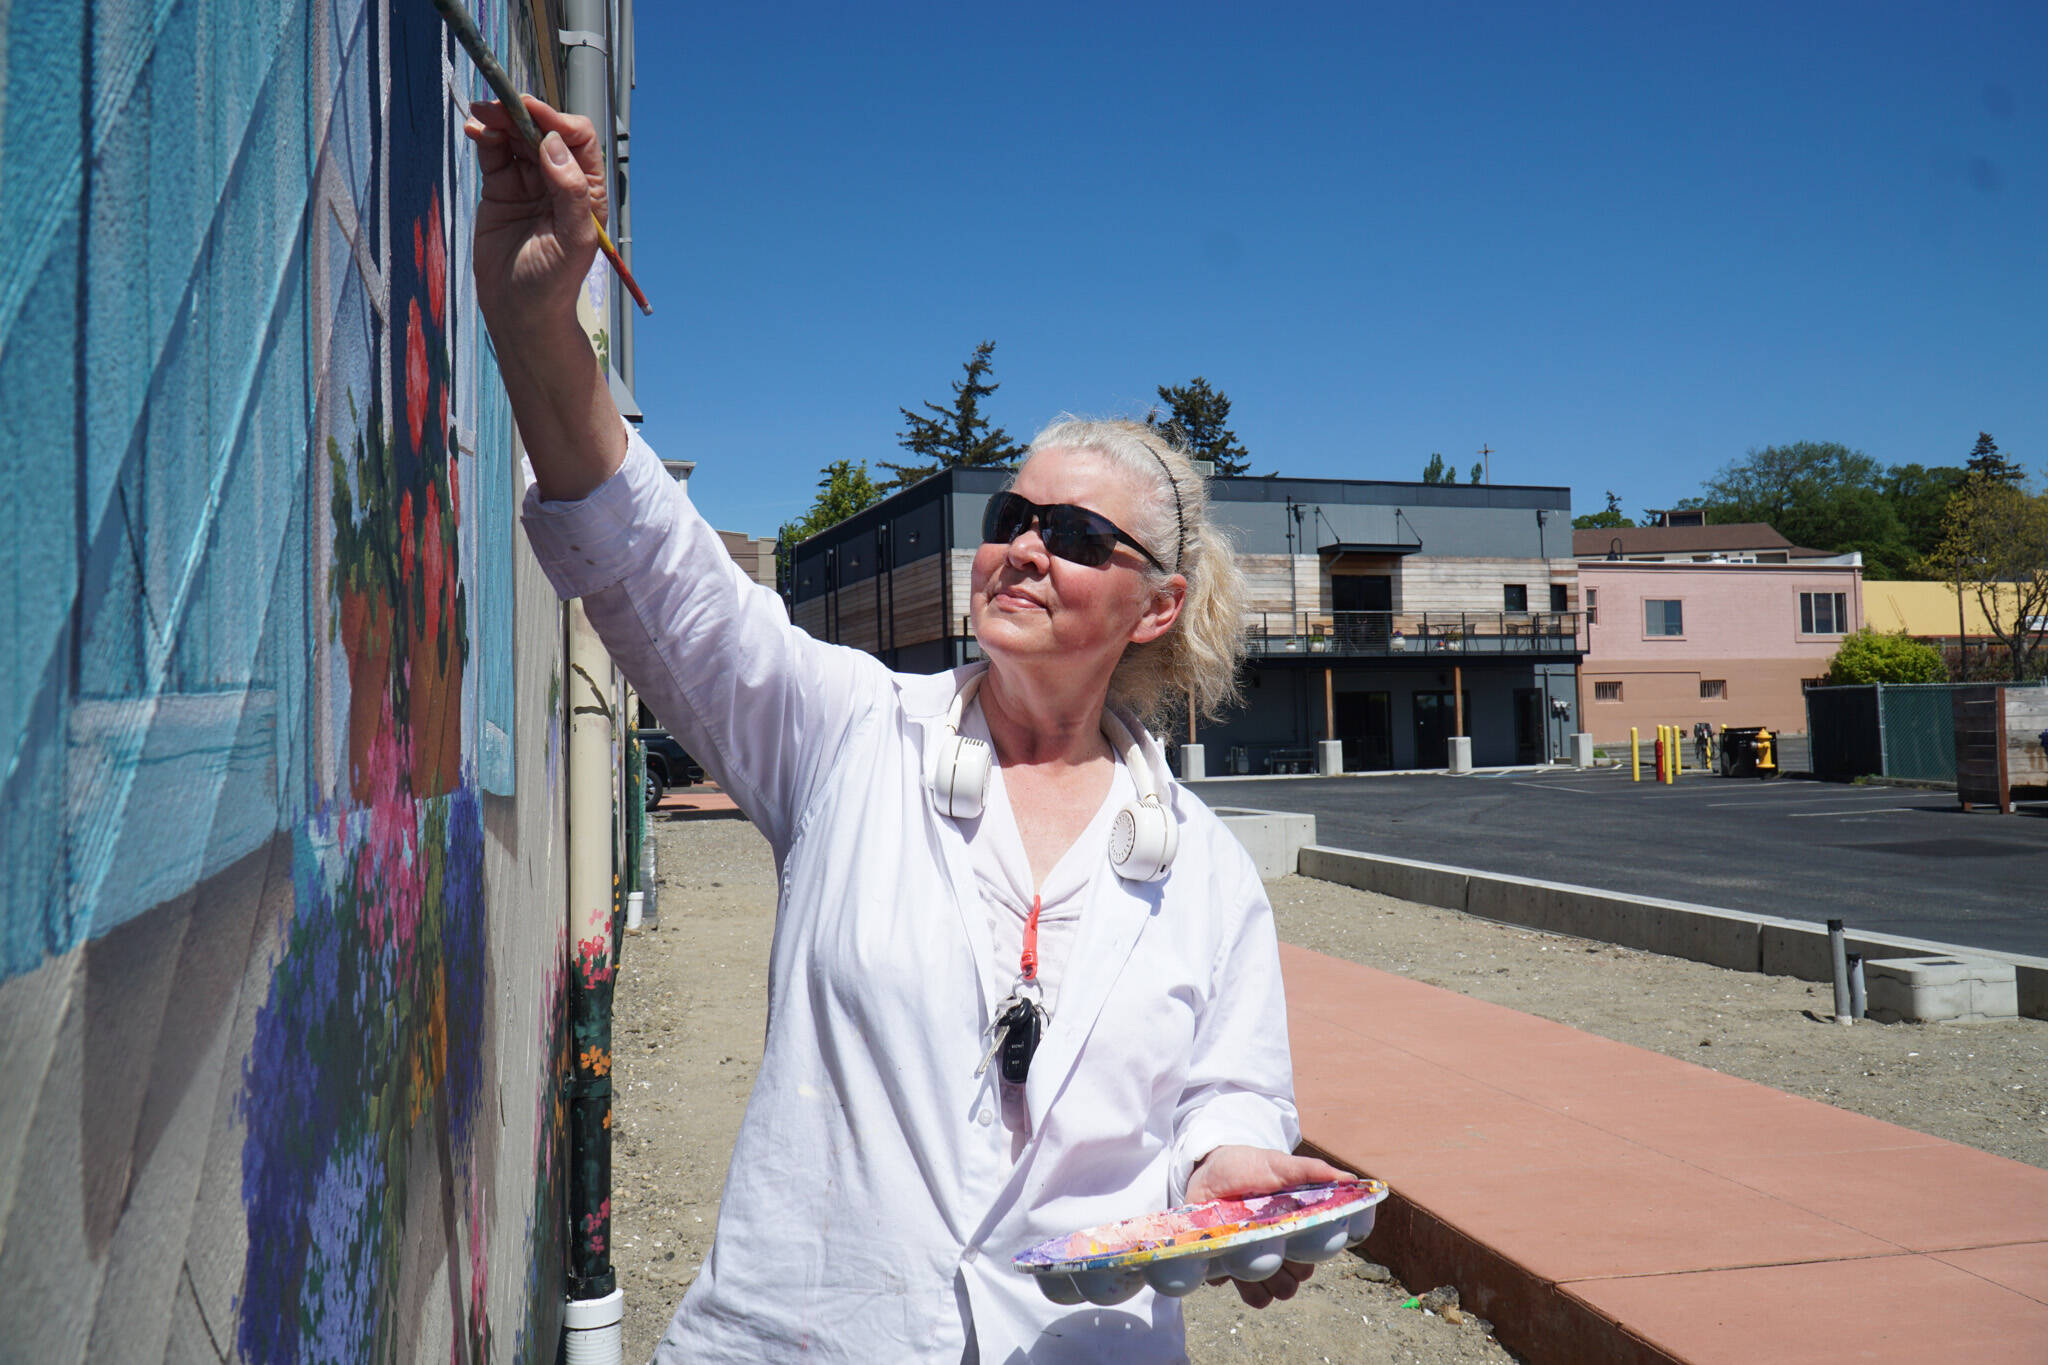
(1822, 796)
(1558, 787)
(1861, 810)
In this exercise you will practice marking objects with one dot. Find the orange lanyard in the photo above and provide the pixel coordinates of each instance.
(1027, 961)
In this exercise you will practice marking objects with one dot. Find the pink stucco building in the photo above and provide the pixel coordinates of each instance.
(1729, 644)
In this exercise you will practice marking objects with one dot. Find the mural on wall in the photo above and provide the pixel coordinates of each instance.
(282, 998)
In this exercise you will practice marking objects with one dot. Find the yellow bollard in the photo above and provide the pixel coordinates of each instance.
(1677, 752)
(1668, 755)
(1635, 754)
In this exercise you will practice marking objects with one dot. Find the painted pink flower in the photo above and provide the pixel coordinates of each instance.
(416, 377)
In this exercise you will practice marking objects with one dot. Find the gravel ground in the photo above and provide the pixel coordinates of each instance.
(688, 1041)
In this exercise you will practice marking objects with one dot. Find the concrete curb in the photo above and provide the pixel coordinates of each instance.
(1733, 939)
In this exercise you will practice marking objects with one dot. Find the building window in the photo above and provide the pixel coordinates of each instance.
(1606, 691)
(1713, 689)
(1663, 616)
(1592, 606)
(1560, 597)
(1823, 613)
(1514, 597)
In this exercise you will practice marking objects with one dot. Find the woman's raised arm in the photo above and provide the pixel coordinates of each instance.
(535, 242)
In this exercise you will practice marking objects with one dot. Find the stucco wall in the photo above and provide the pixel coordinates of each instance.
(282, 945)
(1742, 627)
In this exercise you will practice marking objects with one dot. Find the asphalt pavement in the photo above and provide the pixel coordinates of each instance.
(1886, 859)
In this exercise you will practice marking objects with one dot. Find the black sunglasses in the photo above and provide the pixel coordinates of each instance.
(1073, 533)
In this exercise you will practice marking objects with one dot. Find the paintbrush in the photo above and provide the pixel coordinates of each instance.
(472, 42)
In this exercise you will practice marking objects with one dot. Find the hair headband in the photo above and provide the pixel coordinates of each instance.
(1180, 534)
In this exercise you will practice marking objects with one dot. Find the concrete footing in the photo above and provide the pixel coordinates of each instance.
(1330, 757)
(1194, 762)
(1274, 838)
(1941, 990)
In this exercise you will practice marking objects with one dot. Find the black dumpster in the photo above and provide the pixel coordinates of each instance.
(1742, 753)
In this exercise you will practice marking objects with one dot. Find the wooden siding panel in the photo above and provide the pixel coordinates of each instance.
(810, 617)
(857, 623)
(919, 614)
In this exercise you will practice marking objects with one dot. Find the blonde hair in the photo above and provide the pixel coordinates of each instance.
(1195, 664)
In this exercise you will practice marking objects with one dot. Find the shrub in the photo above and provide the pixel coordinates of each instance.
(1870, 656)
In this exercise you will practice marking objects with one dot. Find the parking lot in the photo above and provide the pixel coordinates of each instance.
(1888, 859)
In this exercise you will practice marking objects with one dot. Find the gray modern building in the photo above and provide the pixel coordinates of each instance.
(1387, 615)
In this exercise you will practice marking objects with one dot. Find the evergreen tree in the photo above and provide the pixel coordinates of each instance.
(1436, 471)
(1478, 472)
(1197, 421)
(1987, 461)
(954, 436)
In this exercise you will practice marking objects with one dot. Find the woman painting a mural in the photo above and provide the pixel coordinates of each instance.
(1021, 982)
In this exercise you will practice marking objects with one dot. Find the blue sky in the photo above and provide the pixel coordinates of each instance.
(1620, 244)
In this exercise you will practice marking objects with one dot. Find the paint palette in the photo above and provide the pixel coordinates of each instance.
(1179, 1249)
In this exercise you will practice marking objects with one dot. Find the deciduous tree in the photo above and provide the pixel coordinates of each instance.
(1611, 518)
(1994, 547)
(843, 489)
(1819, 494)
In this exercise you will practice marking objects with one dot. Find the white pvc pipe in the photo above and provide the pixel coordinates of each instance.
(593, 1330)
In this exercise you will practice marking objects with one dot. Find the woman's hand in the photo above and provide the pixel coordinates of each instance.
(1240, 1172)
(535, 239)
(535, 242)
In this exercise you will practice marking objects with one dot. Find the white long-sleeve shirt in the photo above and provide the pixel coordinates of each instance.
(874, 1199)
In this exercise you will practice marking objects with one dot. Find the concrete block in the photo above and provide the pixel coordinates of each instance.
(1330, 757)
(1194, 762)
(1582, 750)
(1946, 989)
(1721, 938)
(1461, 753)
(1274, 838)
(1401, 878)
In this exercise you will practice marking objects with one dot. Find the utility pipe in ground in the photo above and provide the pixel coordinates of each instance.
(596, 903)
(592, 785)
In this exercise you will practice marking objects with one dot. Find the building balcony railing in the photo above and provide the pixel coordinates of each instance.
(1394, 634)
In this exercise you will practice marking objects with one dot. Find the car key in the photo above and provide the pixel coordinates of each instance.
(1018, 1033)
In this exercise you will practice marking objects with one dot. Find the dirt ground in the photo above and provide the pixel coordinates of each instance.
(688, 1039)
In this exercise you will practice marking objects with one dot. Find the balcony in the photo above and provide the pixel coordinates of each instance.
(1431, 635)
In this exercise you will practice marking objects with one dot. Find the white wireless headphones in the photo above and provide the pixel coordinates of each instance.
(1144, 838)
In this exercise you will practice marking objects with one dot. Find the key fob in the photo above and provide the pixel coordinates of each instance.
(1024, 1025)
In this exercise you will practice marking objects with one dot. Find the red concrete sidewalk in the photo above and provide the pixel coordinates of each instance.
(1602, 1203)
(701, 802)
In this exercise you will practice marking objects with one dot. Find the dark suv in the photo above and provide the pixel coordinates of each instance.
(668, 764)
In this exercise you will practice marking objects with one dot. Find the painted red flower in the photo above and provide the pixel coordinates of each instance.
(432, 562)
(405, 538)
(436, 264)
(416, 378)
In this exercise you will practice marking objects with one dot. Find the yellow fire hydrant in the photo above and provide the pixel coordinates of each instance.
(1766, 756)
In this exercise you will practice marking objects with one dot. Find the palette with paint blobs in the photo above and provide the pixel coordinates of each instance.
(1179, 1249)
